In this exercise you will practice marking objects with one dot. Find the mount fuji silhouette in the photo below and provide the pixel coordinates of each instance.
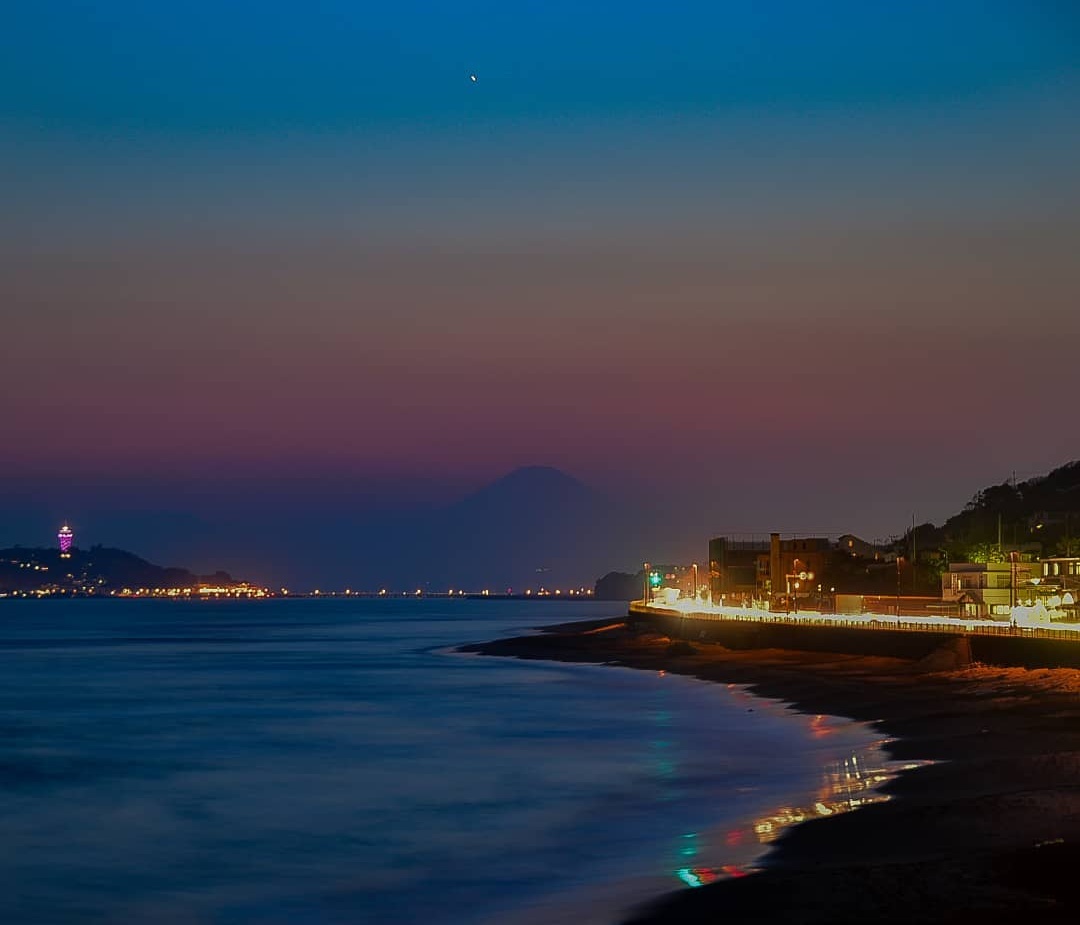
(535, 526)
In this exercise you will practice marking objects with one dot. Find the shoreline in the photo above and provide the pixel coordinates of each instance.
(989, 832)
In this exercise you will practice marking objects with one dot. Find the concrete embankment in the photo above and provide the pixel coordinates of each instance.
(1013, 648)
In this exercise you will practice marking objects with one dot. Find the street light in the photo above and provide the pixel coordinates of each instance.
(796, 577)
(789, 578)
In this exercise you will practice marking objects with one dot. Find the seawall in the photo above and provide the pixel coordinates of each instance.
(1012, 647)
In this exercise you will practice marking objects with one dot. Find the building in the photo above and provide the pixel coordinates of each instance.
(782, 570)
(797, 566)
(1057, 586)
(1062, 572)
(859, 548)
(984, 589)
(738, 567)
(65, 538)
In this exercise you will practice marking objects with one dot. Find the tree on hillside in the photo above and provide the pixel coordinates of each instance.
(985, 552)
(1039, 513)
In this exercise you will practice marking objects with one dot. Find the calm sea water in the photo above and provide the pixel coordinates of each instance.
(336, 762)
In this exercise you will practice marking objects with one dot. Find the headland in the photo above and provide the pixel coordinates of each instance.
(986, 830)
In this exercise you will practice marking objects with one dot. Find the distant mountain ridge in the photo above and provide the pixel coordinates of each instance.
(99, 568)
(535, 526)
(532, 479)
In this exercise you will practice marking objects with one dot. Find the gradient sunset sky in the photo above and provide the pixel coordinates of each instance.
(783, 265)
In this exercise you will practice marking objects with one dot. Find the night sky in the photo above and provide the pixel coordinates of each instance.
(771, 265)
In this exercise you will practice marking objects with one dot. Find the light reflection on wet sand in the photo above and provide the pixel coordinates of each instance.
(700, 858)
(846, 785)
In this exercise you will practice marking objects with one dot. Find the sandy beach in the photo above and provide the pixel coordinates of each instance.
(988, 832)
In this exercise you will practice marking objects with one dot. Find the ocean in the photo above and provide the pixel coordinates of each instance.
(337, 762)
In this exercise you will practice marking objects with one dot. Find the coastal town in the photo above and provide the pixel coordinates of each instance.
(1008, 559)
(812, 576)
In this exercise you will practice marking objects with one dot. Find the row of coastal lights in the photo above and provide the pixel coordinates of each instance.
(247, 591)
(487, 592)
(55, 591)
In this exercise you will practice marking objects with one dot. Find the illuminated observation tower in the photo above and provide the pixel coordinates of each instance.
(65, 538)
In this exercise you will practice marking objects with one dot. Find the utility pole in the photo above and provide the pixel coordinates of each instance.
(913, 560)
(899, 561)
(1012, 580)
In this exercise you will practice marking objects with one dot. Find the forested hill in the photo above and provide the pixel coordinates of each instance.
(98, 569)
(1043, 510)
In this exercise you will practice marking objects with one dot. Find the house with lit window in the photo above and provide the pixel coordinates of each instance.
(860, 549)
(1060, 571)
(984, 589)
(1057, 585)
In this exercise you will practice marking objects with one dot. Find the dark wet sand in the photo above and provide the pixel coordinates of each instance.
(990, 834)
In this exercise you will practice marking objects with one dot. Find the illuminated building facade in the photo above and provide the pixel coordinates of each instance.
(65, 538)
(797, 565)
(984, 589)
(756, 567)
(1058, 586)
(1061, 571)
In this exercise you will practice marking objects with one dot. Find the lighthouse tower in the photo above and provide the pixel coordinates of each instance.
(65, 537)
